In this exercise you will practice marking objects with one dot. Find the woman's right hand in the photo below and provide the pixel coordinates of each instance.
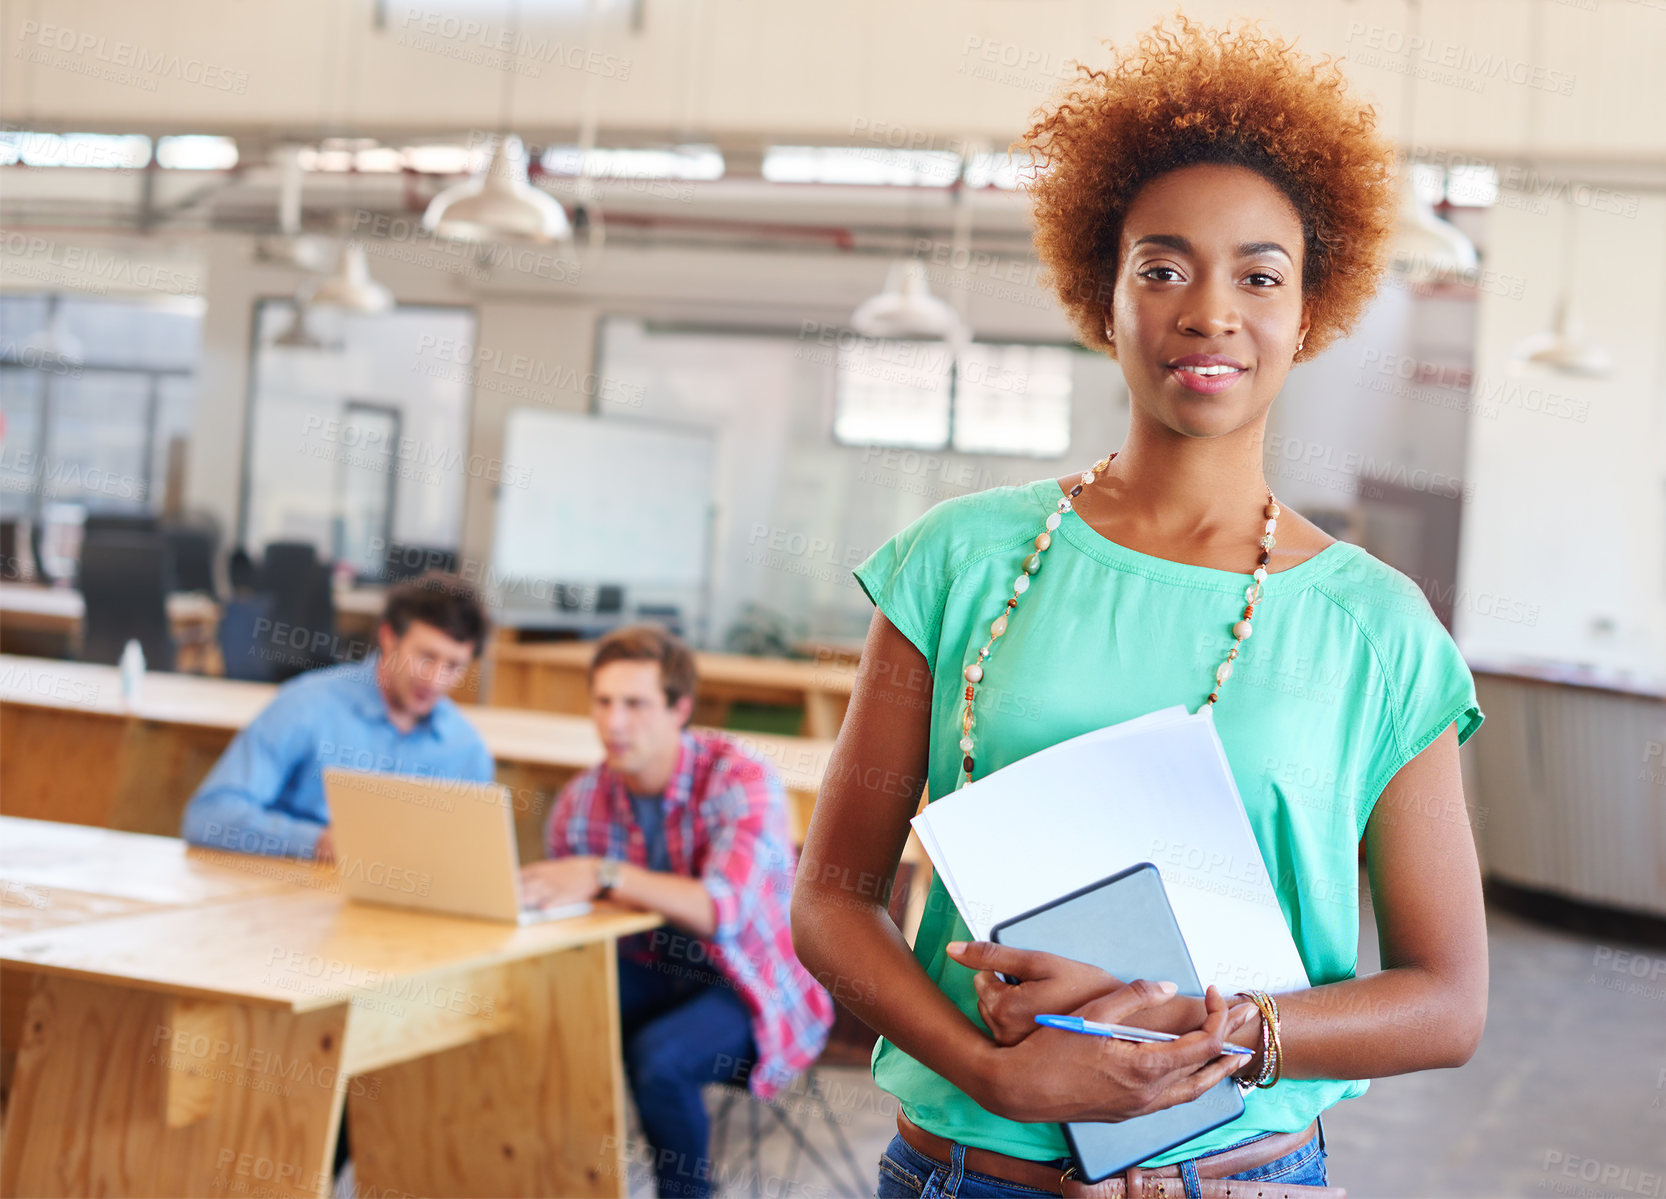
(1054, 1076)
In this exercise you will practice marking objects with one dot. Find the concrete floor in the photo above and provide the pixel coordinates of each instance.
(1566, 1096)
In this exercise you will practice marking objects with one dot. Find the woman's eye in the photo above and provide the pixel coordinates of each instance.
(1271, 280)
(1150, 271)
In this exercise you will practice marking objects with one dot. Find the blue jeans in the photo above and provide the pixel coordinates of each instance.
(905, 1172)
(682, 1027)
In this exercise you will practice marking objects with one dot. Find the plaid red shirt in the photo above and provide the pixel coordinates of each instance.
(725, 824)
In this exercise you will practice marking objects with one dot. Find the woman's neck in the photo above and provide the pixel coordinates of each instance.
(1186, 486)
(1196, 500)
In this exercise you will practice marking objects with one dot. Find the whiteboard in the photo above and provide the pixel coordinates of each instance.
(590, 499)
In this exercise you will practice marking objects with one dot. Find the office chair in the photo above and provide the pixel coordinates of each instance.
(35, 553)
(119, 522)
(241, 572)
(734, 1090)
(11, 566)
(193, 551)
(303, 607)
(283, 560)
(125, 580)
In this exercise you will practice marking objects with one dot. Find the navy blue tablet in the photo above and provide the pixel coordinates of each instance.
(1124, 925)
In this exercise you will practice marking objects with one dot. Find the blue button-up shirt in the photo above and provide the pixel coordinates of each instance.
(266, 793)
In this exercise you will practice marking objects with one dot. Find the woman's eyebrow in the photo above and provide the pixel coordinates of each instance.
(1251, 248)
(1170, 240)
(1247, 250)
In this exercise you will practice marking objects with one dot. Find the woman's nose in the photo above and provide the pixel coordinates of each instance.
(1211, 308)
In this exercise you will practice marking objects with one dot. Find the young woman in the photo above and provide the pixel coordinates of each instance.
(1212, 210)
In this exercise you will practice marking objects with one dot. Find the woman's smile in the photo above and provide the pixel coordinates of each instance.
(1207, 374)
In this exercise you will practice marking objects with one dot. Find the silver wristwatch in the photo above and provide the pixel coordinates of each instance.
(607, 876)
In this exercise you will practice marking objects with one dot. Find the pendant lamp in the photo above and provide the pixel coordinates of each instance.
(1563, 347)
(351, 286)
(907, 311)
(502, 203)
(1425, 248)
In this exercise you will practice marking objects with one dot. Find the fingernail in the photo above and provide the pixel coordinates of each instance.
(956, 947)
(1168, 988)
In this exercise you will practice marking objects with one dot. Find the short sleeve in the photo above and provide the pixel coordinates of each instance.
(908, 579)
(1429, 686)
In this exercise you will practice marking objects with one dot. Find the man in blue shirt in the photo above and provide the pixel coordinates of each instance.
(388, 713)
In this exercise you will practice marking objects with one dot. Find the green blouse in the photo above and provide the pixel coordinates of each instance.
(1347, 676)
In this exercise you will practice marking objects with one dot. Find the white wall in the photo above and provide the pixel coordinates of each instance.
(1567, 525)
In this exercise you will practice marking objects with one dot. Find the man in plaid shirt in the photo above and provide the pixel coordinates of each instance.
(685, 823)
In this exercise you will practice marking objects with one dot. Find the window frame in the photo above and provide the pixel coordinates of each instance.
(12, 361)
(795, 334)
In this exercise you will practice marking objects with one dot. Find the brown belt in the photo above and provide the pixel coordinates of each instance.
(1044, 1176)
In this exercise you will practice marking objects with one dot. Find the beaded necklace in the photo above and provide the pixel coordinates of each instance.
(1032, 563)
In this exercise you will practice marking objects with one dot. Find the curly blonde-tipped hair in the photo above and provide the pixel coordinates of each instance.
(1199, 95)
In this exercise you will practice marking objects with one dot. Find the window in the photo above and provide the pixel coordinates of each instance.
(873, 165)
(92, 394)
(894, 393)
(22, 401)
(358, 433)
(995, 399)
(1013, 399)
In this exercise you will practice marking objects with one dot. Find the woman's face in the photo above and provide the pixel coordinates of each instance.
(1209, 274)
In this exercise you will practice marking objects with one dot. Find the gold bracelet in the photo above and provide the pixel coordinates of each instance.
(1270, 1065)
(1278, 1044)
(1269, 1042)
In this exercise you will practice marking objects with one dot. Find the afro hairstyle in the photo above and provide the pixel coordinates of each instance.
(1198, 95)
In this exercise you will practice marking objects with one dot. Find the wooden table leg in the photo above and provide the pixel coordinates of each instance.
(128, 1092)
(824, 712)
(536, 1110)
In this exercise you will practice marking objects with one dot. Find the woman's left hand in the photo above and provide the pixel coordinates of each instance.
(1046, 983)
(1050, 983)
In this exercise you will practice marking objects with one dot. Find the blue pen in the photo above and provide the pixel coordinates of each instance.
(1121, 1032)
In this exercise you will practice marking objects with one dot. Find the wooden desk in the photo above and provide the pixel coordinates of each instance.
(206, 1043)
(135, 768)
(59, 611)
(551, 676)
(45, 870)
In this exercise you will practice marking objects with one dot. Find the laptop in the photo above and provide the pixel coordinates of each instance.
(442, 845)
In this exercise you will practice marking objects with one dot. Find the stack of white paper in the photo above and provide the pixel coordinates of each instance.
(1155, 789)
